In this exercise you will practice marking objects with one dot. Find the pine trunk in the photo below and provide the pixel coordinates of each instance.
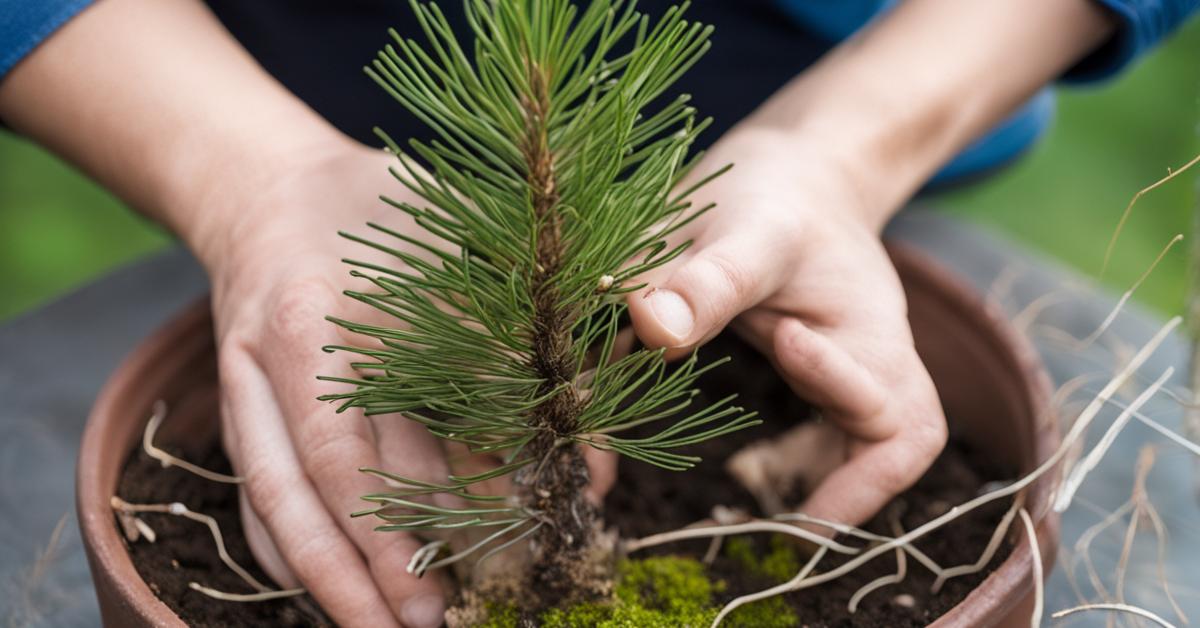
(555, 486)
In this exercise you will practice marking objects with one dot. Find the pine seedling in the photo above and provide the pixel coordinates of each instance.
(552, 184)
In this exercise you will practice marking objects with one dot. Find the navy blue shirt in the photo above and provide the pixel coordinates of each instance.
(315, 47)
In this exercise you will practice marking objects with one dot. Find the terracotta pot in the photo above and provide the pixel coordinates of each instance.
(989, 378)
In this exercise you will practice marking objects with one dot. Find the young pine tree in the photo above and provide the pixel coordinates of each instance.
(552, 184)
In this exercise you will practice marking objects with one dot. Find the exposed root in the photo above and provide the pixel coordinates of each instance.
(1112, 243)
(860, 557)
(167, 460)
(705, 530)
(1039, 595)
(1121, 608)
(1084, 343)
(1082, 546)
(773, 591)
(883, 581)
(988, 552)
(1081, 470)
(264, 596)
(126, 509)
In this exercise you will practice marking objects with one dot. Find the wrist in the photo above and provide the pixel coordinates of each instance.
(897, 101)
(215, 192)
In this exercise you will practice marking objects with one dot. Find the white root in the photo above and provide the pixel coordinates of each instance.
(773, 591)
(1039, 594)
(123, 507)
(166, 459)
(1081, 470)
(1160, 531)
(707, 531)
(1084, 343)
(1112, 243)
(883, 581)
(988, 552)
(1122, 608)
(1087, 415)
(264, 596)
(1082, 552)
(848, 530)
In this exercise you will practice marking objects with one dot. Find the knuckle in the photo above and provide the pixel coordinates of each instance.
(298, 307)
(929, 435)
(324, 454)
(309, 551)
(895, 475)
(264, 488)
(725, 281)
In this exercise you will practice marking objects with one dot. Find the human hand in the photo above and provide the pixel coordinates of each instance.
(275, 270)
(792, 259)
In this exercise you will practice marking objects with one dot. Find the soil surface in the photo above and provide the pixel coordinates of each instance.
(186, 552)
(646, 500)
(649, 500)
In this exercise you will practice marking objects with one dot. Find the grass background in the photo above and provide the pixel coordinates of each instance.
(58, 230)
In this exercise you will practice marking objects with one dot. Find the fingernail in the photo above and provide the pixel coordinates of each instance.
(424, 611)
(672, 313)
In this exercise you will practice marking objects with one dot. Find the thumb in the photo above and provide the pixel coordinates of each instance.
(691, 300)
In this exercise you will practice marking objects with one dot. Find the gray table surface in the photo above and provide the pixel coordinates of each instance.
(54, 360)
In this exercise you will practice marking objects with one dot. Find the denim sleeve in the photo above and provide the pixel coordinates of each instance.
(1141, 24)
(26, 23)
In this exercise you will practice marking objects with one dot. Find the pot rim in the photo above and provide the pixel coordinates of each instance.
(1010, 584)
(137, 377)
(188, 334)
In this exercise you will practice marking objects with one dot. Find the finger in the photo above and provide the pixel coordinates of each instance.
(602, 468)
(262, 546)
(333, 447)
(306, 535)
(872, 477)
(698, 295)
(827, 376)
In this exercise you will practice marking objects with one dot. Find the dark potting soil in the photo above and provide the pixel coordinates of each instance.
(649, 500)
(646, 500)
(185, 551)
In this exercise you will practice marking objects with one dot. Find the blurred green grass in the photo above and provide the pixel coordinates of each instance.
(58, 230)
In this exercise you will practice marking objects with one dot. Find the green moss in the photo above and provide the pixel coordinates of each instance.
(501, 616)
(670, 592)
(780, 563)
(670, 583)
(657, 592)
(772, 612)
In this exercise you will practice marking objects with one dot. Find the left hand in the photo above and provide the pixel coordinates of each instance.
(792, 258)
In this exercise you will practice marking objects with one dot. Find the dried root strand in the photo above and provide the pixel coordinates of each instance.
(883, 581)
(803, 580)
(1039, 595)
(1121, 608)
(1112, 243)
(264, 596)
(988, 552)
(168, 460)
(773, 591)
(126, 509)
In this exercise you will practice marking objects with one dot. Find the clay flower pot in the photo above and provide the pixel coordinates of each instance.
(989, 379)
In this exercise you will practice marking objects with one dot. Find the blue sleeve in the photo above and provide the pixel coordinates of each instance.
(26, 23)
(1141, 24)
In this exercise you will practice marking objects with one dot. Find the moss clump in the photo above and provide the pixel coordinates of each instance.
(780, 563)
(772, 612)
(501, 616)
(671, 592)
(657, 592)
